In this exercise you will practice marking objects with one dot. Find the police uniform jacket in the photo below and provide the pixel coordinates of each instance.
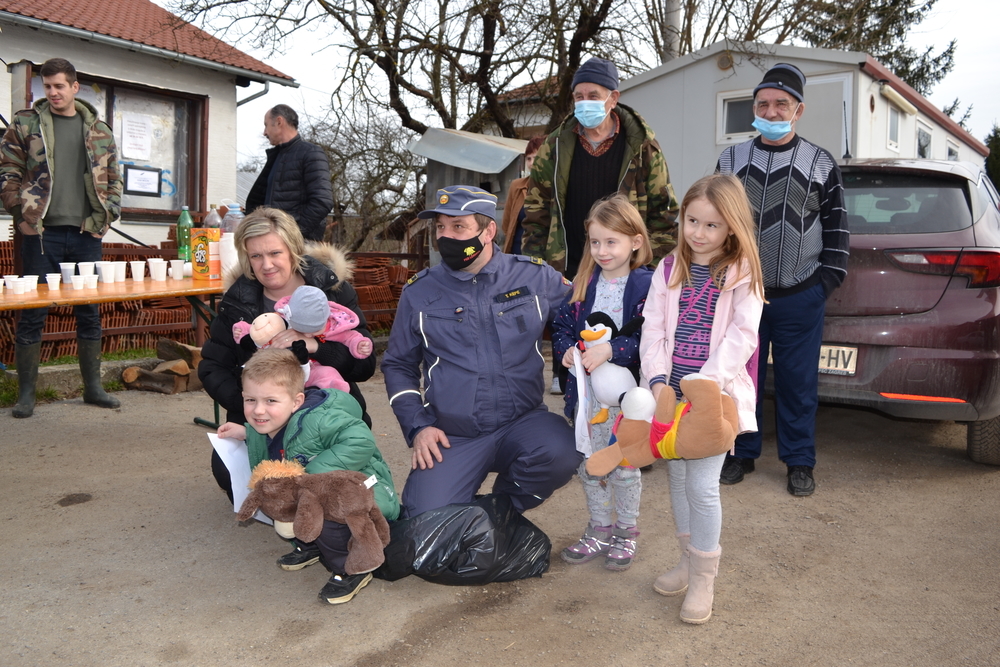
(474, 342)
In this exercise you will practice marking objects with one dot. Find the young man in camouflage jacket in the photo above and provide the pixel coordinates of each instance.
(73, 200)
(579, 164)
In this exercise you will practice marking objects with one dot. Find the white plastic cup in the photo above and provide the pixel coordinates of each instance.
(53, 280)
(138, 268)
(16, 285)
(9, 281)
(77, 281)
(67, 269)
(177, 268)
(86, 268)
(120, 271)
(105, 271)
(158, 271)
(30, 283)
(90, 282)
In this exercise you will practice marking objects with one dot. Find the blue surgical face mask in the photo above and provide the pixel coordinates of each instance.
(772, 130)
(590, 113)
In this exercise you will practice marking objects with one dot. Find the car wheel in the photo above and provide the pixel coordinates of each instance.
(983, 441)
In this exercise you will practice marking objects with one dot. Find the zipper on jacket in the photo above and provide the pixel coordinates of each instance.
(562, 218)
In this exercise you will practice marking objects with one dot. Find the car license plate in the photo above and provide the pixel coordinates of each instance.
(835, 359)
(838, 360)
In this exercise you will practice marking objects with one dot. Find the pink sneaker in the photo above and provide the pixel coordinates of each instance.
(596, 541)
(622, 552)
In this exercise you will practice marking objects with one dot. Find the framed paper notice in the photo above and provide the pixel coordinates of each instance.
(142, 181)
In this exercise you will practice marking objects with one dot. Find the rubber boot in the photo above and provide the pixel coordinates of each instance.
(26, 358)
(90, 369)
(703, 568)
(675, 581)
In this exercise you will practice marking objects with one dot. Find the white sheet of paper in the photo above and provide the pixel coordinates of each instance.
(234, 454)
(582, 421)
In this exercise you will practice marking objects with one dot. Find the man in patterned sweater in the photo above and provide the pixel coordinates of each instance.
(797, 194)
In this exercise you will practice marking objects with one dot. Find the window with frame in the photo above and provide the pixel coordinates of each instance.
(893, 136)
(952, 151)
(923, 140)
(154, 129)
(735, 117)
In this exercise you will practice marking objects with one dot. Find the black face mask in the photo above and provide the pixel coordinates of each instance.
(458, 255)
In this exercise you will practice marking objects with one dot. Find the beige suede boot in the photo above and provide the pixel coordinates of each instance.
(675, 581)
(703, 568)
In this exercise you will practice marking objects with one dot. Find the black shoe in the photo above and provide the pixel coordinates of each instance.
(342, 587)
(800, 481)
(734, 468)
(302, 556)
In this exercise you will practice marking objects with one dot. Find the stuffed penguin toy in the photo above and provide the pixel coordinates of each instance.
(609, 381)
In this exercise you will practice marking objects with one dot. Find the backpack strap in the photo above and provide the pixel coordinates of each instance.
(668, 265)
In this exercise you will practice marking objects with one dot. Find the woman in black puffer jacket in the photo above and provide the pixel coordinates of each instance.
(273, 261)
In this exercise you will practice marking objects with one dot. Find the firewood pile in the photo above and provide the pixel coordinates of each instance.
(176, 372)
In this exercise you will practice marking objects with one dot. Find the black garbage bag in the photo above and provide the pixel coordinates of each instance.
(467, 544)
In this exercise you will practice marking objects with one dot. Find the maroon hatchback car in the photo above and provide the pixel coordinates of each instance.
(914, 331)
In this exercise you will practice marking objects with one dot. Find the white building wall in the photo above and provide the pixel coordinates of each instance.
(20, 43)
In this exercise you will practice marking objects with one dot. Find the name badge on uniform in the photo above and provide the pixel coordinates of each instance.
(512, 294)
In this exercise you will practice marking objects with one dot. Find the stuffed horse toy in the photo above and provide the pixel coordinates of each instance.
(299, 503)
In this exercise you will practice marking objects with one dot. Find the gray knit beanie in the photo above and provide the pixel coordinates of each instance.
(308, 310)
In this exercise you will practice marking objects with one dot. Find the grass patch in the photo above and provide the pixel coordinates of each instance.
(138, 353)
(8, 393)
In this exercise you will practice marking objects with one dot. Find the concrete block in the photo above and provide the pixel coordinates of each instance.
(66, 379)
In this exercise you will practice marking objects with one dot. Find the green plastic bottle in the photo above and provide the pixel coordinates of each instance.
(184, 225)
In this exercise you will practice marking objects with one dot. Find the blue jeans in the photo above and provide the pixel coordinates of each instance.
(792, 326)
(61, 244)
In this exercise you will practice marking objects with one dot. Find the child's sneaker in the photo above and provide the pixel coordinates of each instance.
(596, 541)
(622, 550)
(302, 556)
(342, 587)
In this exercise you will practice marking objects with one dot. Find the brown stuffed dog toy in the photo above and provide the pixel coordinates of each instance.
(284, 492)
(704, 424)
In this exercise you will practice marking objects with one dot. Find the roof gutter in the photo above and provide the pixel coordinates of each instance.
(155, 51)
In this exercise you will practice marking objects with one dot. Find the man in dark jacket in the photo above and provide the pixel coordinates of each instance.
(296, 177)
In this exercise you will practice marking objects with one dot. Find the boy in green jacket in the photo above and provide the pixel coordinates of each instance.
(322, 430)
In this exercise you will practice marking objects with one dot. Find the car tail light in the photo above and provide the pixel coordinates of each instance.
(981, 267)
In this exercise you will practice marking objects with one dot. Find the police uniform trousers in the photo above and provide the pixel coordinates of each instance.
(533, 455)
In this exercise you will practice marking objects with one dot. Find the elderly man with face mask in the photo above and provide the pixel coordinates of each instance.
(463, 369)
(797, 195)
(605, 148)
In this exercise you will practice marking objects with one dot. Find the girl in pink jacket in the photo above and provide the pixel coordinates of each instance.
(702, 313)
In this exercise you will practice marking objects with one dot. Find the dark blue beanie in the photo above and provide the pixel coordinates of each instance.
(784, 77)
(597, 70)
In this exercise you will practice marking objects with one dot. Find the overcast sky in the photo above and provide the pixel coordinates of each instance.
(973, 81)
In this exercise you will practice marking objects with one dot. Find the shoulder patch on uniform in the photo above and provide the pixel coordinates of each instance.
(416, 277)
(534, 260)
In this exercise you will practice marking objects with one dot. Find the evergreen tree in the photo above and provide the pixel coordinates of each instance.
(993, 159)
(879, 28)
